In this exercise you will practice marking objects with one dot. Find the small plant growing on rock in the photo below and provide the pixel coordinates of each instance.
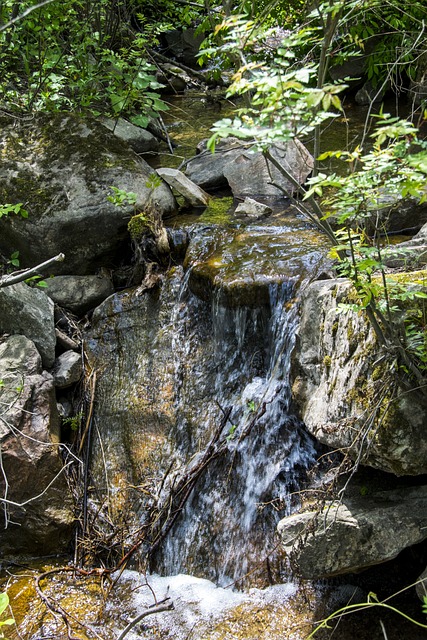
(139, 226)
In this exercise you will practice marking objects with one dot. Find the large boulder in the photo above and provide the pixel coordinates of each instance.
(28, 311)
(247, 171)
(355, 533)
(79, 294)
(346, 390)
(63, 167)
(37, 506)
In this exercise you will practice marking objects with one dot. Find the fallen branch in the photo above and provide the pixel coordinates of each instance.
(20, 276)
(155, 609)
(180, 493)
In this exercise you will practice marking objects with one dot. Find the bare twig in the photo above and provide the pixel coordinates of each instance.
(20, 276)
(148, 612)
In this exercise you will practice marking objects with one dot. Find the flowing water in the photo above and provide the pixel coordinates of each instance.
(213, 340)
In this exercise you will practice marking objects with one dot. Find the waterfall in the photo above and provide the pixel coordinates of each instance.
(227, 528)
(177, 361)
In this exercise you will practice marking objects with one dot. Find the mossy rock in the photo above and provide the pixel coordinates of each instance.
(62, 168)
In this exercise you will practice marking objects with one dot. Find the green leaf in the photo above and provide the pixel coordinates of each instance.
(4, 602)
(140, 121)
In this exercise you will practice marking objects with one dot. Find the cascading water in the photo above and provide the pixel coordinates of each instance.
(213, 340)
(227, 528)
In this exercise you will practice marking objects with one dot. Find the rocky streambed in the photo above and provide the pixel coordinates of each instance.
(168, 392)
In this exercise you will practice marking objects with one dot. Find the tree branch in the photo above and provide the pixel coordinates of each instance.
(148, 612)
(7, 281)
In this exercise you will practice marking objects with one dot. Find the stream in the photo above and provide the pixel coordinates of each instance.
(209, 348)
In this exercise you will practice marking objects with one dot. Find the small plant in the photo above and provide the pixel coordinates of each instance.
(154, 181)
(6, 209)
(371, 601)
(74, 422)
(4, 603)
(139, 225)
(251, 405)
(121, 197)
(36, 281)
(14, 259)
(231, 432)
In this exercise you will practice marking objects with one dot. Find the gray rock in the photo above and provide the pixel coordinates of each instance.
(411, 254)
(29, 440)
(184, 44)
(250, 174)
(193, 194)
(141, 140)
(64, 168)
(369, 94)
(67, 370)
(341, 375)
(356, 533)
(246, 170)
(253, 209)
(206, 169)
(397, 214)
(174, 78)
(79, 294)
(29, 311)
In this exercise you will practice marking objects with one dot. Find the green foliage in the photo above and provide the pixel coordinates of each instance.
(282, 100)
(356, 202)
(251, 405)
(121, 197)
(388, 29)
(231, 432)
(14, 259)
(77, 55)
(74, 422)
(288, 98)
(36, 281)
(18, 209)
(154, 181)
(372, 601)
(4, 603)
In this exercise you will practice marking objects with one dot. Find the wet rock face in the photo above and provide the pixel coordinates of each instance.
(62, 168)
(169, 365)
(238, 267)
(345, 392)
(29, 437)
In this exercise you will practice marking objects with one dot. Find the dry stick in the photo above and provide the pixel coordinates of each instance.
(156, 609)
(186, 485)
(191, 72)
(7, 281)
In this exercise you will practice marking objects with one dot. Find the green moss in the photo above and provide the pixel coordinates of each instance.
(218, 211)
(139, 226)
(327, 361)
